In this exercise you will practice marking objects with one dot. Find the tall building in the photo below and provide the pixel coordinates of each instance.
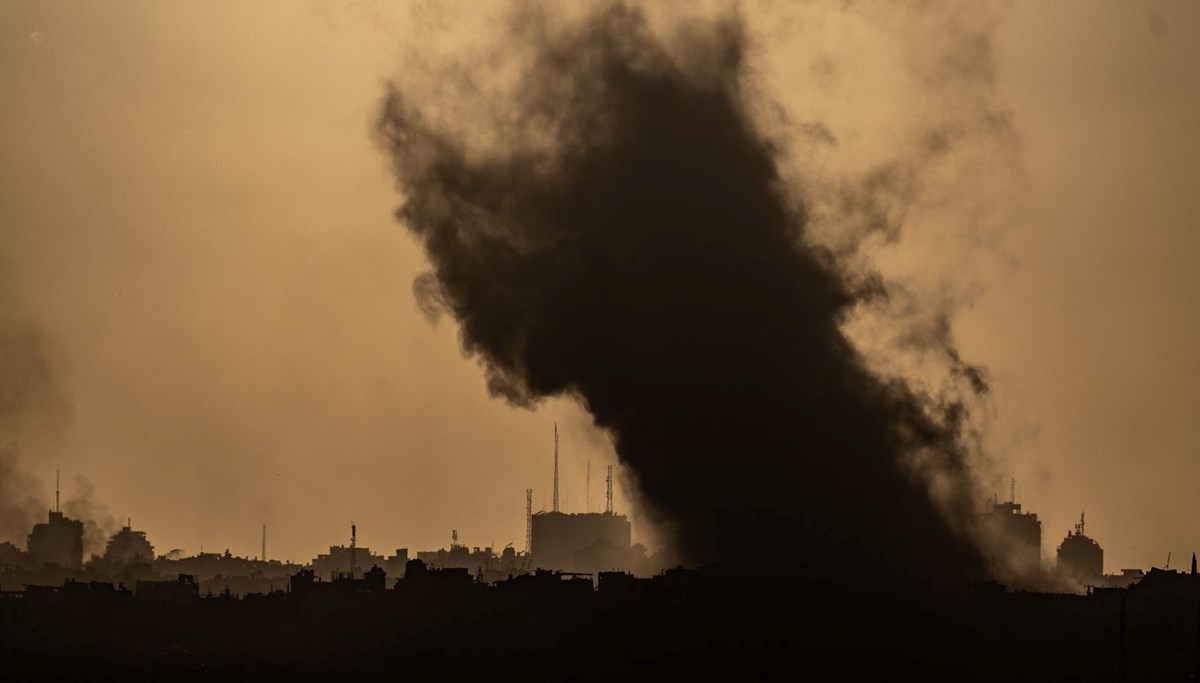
(586, 542)
(128, 546)
(582, 542)
(59, 541)
(1081, 558)
(1020, 538)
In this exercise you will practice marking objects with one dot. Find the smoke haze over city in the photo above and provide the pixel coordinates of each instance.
(208, 307)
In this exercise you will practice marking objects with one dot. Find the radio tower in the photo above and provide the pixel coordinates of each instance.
(556, 467)
(608, 493)
(528, 521)
(588, 496)
(57, 488)
(264, 548)
(353, 543)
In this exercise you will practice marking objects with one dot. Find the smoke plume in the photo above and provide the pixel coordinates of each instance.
(30, 406)
(20, 506)
(33, 413)
(98, 523)
(607, 218)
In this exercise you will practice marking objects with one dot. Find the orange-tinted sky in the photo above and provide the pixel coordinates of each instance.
(194, 214)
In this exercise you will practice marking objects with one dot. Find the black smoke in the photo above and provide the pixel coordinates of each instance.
(622, 235)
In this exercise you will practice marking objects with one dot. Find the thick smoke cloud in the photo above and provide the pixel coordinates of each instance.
(618, 229)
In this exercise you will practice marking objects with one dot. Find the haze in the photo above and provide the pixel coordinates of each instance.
(195, 217)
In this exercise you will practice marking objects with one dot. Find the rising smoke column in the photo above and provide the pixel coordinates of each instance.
(30, 404)
(33, 411)
(619, 231)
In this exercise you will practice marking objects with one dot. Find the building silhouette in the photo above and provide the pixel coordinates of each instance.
(58, 541)
(340, 557)
(482, 563)
(128, 547)
(182, 592)
(1081, 558)
(11, 557)
(1019, 536)
(581, 542)
(586, 542)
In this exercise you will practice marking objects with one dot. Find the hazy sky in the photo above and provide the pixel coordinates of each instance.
(193, 213)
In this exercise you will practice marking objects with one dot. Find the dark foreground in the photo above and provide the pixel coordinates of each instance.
(549, 627)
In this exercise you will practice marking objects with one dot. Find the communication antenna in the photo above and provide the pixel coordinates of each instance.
(528, 521)
(608, 493)
(264, 545)
(587, 498)
(353, 543)
(1012, 489)
(57, 488)
(453, 537)
(556, 467)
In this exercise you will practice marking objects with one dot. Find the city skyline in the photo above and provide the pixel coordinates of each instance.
(199, 227)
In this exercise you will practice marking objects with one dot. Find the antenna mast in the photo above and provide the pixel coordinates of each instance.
(608, 493)
(556, 467)
(353, 543)
(1012, 489)
(264, 548)
(528, 521)
(57, 487)
(587, 498)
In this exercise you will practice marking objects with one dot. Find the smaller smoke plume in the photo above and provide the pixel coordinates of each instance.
(98, 523)
(20, 506)
(30, 407)
(33, 410)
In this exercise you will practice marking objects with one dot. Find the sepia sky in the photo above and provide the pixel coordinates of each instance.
(194, 216)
